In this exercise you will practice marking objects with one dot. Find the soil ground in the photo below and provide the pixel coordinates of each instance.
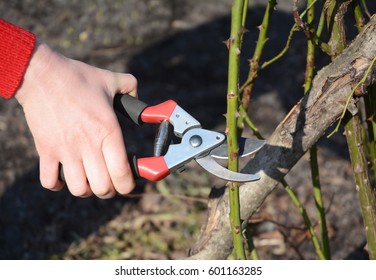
(175, 50)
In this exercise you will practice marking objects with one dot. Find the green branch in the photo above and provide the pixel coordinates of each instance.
(254, 62)
(317, 193)
(366, 194)
(234, 45)
(307, 221)
(293, 29)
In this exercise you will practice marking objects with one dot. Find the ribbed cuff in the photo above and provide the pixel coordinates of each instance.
(16, 49)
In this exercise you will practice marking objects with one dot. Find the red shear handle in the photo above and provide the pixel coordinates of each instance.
(158, 113)
(139, 112)
(152, 168)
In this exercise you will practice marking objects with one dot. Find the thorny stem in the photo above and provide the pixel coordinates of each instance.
(254, 68)
(294, 28)
(295, 199)
(254, 62)
(311, 36)
(317, 193)
(335, 23)
(310, 65)
(366, 194)
(251, 246)
(245, 11)
(250, 124)
(353, 129)
(370, 127)
(291, 193)
(303, 212)
(369, 103)
(235, 94)
(234, 45)
(366, 134)
(320, 26)
(358, 15)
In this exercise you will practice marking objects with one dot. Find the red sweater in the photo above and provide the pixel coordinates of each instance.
(16, 48)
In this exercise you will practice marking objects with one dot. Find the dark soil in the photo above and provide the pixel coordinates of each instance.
(175, 50)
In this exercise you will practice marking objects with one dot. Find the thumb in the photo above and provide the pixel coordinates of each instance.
(125, 84)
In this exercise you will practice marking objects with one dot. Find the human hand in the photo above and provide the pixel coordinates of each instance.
(69, 109)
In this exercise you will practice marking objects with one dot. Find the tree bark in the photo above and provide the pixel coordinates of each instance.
(302, 127)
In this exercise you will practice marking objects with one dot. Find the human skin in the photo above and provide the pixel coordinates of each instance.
(68, 106)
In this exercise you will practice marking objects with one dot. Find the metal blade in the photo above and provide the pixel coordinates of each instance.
(210, 165)
(246, 147)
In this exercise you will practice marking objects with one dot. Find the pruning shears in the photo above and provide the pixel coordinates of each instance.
(201, 145)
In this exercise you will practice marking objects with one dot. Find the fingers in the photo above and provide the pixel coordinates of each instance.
(97, 174)
(103, 171)
(117, 163)
(49, 174)
(75, 178)
(73, 175)
(89, 142)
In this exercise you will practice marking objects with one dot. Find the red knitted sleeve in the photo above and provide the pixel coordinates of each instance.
(16, 48)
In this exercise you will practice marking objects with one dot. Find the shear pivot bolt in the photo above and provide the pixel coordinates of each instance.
(195, 141)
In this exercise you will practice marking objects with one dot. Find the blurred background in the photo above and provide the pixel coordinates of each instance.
(175, 49)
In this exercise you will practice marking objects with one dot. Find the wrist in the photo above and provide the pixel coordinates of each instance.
(36, 73)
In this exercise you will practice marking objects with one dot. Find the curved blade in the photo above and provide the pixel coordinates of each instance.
(210, 165)
(246, 147)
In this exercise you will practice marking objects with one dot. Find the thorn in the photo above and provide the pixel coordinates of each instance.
(231, 95)
(227, 43)
(237, 51)
(234, 155)
(244, 30)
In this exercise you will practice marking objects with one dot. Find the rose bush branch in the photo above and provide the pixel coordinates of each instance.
(303, 126)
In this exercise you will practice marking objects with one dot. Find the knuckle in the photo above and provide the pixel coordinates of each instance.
(126, 186)
(49, 183)
(133, 80)
(121, 176)
(79, 190)
(104, 192)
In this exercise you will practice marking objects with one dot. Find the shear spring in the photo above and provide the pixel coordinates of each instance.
(161, 139)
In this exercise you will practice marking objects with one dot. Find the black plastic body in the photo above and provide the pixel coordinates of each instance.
(130, 107)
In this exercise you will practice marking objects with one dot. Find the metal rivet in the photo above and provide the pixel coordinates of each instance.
(195, 141)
